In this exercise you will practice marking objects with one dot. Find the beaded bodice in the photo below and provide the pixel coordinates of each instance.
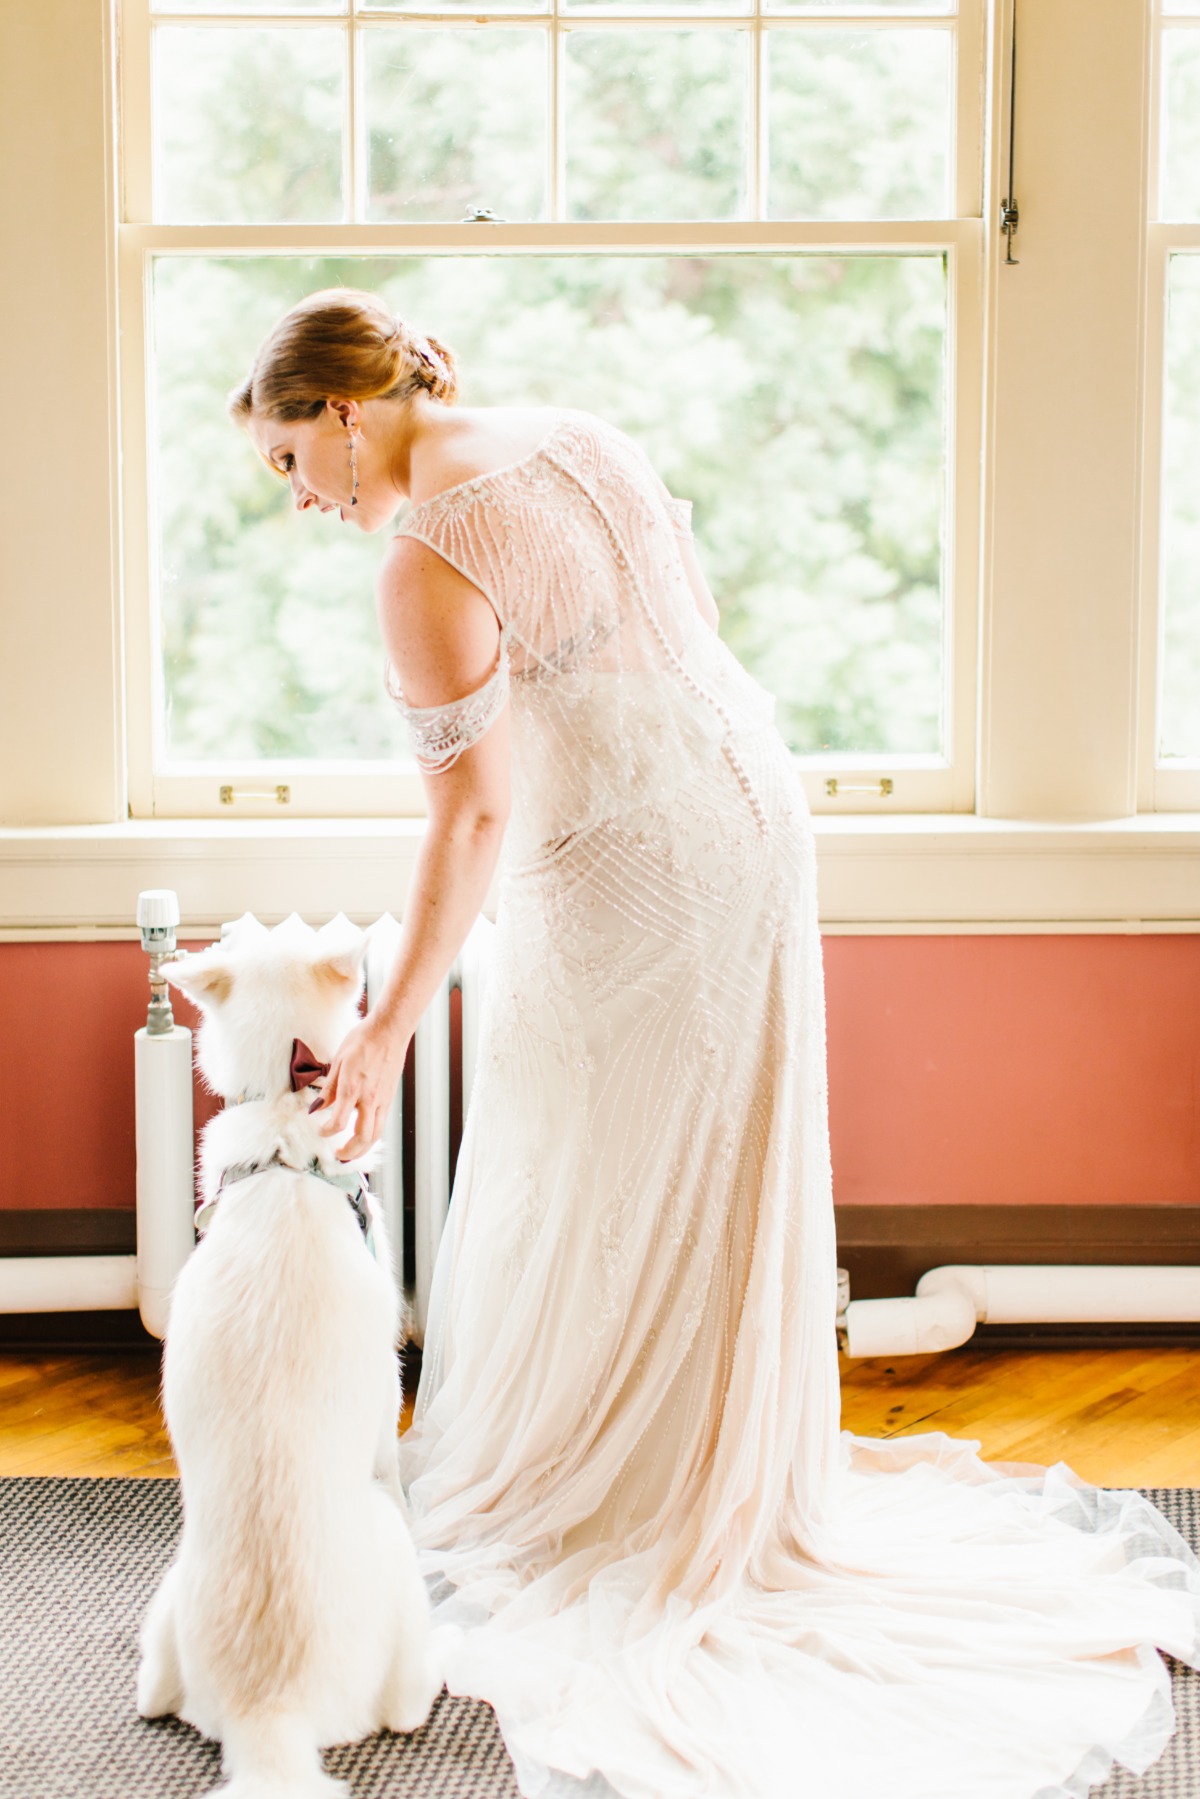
(616, 685)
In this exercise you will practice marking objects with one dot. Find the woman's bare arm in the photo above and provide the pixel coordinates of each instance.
(443, 639)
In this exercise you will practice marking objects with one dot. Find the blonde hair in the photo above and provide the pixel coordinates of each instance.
(341, 344)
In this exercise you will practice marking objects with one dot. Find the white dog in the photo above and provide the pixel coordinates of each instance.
(293, 1616)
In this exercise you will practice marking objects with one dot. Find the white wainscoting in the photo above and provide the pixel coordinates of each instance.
(903, 874)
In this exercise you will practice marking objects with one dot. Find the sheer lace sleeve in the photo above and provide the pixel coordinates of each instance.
(440, 734)
(681, 516)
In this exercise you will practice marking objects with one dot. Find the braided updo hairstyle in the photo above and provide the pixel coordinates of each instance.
(341, 344)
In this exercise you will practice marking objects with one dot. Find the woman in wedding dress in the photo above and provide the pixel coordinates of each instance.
(668, 1569)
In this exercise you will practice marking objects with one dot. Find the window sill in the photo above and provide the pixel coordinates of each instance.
(909, 872)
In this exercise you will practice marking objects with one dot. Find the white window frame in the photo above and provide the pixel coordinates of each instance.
(1174, 785)
(914, 784)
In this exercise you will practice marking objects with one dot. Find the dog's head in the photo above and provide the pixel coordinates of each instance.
(260, 989)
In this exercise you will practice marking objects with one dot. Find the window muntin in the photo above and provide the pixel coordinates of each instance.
(639, 112)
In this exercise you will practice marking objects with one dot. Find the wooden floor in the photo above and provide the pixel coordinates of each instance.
(1119, 1418)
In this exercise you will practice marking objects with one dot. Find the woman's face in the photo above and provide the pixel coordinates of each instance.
(314, 457)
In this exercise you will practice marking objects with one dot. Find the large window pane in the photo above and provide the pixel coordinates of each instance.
(1180, 197)
(269, 640)
(656, 124)
(247, 124)
(858, 124)
(420, 88)
(797, 400)
(1179, 720)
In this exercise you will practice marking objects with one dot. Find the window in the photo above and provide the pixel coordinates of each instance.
(749, 235)
(1172, 574)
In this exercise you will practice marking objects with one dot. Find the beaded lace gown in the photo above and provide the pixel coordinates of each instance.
(668, 1569)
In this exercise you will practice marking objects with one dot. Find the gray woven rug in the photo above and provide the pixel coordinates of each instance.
(79, 1561)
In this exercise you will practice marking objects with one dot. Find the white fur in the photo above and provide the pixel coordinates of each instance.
(294, 1615)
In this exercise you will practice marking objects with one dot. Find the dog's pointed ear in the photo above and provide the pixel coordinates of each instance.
(205, 978)
(342, 970)
(339, 962)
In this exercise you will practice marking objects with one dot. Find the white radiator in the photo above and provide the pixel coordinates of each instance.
(434, 1051)
(165, 1131)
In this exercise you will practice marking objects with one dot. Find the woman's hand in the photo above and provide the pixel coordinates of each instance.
(363, 1078)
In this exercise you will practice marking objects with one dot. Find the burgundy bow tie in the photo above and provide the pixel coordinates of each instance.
(305, 1069)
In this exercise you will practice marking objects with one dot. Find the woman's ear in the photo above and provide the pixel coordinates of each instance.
(206, 978)
(345, 412)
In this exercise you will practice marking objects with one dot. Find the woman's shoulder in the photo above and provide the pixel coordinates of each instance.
(476, 447)
(504, 441)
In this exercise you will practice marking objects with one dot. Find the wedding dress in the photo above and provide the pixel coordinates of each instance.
(668, 1569)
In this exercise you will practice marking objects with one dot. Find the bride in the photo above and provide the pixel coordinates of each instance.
(669, 1570)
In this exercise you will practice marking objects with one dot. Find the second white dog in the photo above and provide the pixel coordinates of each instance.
(294, 1615)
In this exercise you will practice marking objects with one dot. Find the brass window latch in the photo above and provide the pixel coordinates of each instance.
(281, 794)
(881, 788)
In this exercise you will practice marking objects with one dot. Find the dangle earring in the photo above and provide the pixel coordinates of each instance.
(353, 473)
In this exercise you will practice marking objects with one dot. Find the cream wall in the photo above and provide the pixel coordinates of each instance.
(1059, 722)
(60, 714)
(1061, 381)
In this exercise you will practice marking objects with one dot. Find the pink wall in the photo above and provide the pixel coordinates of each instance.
(68, 1012)
(1003, 1070)
(971, 1069)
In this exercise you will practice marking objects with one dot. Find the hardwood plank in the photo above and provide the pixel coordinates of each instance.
(1118, 1418)
(1121, 1417)
(87, 1415)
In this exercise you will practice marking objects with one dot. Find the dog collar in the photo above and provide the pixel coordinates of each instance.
(350, 1182)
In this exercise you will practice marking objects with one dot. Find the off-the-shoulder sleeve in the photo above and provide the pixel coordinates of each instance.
(440, 734)
(681, 516)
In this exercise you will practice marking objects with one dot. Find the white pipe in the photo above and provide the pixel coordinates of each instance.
(165, 1167)
(950, 1301)
(67, 1283)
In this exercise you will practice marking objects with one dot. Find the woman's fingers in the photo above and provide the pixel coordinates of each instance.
(338, 1104)
(363, 1137)
(370, 1128)
(358, 1089)
(353, 1107)
(335, 1118)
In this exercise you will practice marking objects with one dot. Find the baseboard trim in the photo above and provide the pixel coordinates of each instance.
(76, 1333)
(884, 1248)
(69, 1231)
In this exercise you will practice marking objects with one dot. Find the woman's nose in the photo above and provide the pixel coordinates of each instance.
(301, 497)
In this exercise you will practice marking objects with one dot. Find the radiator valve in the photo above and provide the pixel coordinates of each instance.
(157, 916)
